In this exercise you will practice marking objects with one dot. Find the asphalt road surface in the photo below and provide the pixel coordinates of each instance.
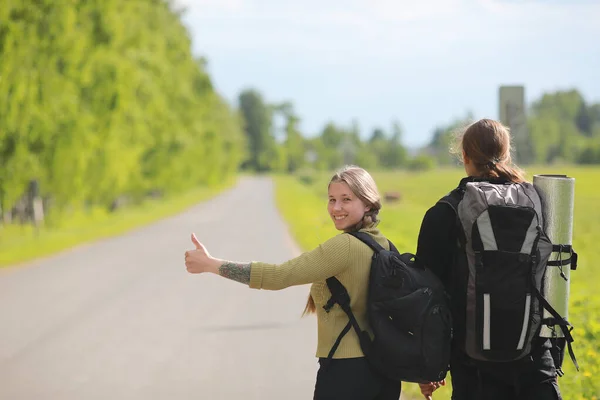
(122, 319)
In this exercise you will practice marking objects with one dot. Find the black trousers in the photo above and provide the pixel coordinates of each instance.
(353, 379)
(533, 378)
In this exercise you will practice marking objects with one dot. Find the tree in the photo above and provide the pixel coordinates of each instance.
(329, 150)
(294, 142)
(378, 135)
(395, 154)
(258, 126)
(561, 126)
(583, 120)
(100, 100)
(444, 138)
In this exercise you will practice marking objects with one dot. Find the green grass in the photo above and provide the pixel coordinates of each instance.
(304, 207)
(20, 244)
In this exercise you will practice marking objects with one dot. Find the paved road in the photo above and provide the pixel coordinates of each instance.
(122, 319)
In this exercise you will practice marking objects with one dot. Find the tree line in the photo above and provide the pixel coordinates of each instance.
(285, 148)
(102, 100)
(562, 127)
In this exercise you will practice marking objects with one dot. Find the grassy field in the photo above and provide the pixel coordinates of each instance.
(303, 205)
(19, 244)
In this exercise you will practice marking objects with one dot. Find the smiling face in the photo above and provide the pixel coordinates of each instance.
(345, 208)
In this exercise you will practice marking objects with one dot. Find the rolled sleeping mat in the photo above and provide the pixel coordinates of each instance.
(557, 193)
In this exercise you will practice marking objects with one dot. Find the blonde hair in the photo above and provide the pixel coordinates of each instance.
(362, 184)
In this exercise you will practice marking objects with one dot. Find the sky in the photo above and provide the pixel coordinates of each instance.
(422, 63)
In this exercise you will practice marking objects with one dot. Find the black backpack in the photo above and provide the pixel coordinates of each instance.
(505, 252)
(409, 315)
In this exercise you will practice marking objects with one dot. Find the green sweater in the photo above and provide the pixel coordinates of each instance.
(346, 258)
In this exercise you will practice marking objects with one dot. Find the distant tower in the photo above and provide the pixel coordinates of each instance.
(512, 114)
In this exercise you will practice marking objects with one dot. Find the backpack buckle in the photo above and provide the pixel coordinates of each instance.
(330, 303)
(343, 299)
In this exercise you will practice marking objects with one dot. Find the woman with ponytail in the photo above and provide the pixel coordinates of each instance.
(485, 151)
(353, 205)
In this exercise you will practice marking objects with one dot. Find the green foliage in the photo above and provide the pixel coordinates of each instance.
(387, 152)
(304, 208)
(103, 99)
(561, 127)
(590, 154)
(366, 158)
(257, 116)
(334, 147)
(444, 138)
(294, 146)
(20, 244)
(337, 146)
(422, 163)
(307, 176)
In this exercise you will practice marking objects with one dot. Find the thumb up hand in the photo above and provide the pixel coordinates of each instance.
(199, 260)
(199, 246)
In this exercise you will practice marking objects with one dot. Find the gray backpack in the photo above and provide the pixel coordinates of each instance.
(506, 253)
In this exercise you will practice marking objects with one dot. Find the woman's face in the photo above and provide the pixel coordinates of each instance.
(345, 209)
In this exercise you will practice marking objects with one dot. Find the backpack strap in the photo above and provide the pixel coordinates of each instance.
(557, 350)
(393, 248)
(560, 249)
(557, 319)
(452, 199)
(368, 240)
(339, 295)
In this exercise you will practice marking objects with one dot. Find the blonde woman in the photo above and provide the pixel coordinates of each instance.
(353, 205)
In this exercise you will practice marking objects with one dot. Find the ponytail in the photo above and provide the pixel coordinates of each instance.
(504, 170)
(487, 143)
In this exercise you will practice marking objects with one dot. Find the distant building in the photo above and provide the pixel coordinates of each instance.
(512, 113)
